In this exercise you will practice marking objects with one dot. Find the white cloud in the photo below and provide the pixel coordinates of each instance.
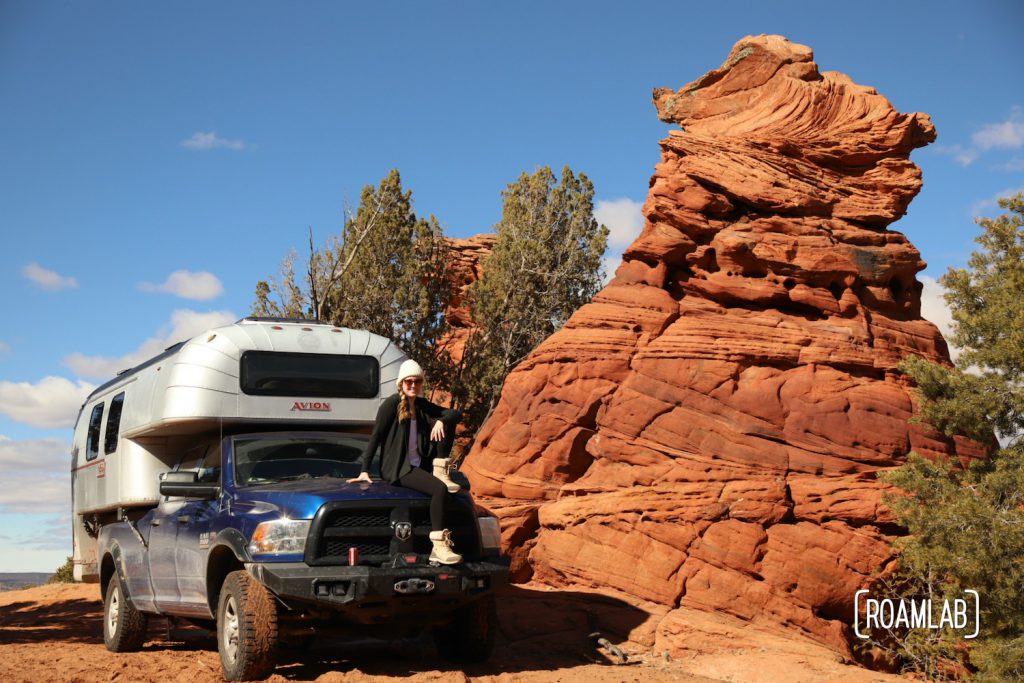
(1012, 166)
(624, 220)
(935, 309)
(48, 279)
(200, 286)
(37, 489)
(964, 156)
(50, 403)
(1008, 134)
(203, 142)
(610, 264)
(990, 205)
(4, 348)
(37, 476)
(184, 324)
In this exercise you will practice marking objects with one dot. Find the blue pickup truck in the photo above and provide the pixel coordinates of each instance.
(209, 483)
(259, 537)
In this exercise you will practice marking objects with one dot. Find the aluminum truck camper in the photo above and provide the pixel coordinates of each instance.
(210, 484)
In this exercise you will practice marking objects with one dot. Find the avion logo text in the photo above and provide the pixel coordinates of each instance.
(315, 406)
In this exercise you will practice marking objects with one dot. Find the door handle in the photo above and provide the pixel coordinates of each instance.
(184, 519)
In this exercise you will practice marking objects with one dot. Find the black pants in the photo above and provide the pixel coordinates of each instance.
(425, 482)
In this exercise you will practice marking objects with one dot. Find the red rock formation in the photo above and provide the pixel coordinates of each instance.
(706, 433)
(466, 257)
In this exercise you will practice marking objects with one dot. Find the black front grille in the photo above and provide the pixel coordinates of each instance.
(335, 548)
(370, 527)
(372, 518)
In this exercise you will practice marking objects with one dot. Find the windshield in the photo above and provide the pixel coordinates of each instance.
(265, 459)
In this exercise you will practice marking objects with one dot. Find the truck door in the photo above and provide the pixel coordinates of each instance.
(197, 525)
(163, 540)
(162, 537)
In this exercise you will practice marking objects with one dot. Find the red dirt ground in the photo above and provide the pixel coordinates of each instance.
(54, 633)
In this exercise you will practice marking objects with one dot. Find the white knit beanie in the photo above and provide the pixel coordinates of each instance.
(409, 368)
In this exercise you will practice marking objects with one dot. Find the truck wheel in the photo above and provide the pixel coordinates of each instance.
(469, 638)
(124, 627)
(246, 628)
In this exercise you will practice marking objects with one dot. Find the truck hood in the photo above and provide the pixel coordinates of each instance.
(302, 499)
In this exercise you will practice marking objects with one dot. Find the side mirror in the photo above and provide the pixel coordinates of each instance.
(184, 484)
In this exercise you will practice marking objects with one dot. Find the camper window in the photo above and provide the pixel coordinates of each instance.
(113, 424)
(321, 375)
(92, 441)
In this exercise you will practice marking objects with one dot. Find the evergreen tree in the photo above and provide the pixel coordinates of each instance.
(545, 264)
(967, 524)
(387, 273)
(281, 296)
(396, 283)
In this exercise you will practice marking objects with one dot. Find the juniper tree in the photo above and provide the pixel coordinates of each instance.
(546, 263)
(281, 296)
(967, 524)
(396, 280)
(387, 273)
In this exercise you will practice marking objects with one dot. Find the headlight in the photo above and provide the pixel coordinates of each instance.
(490, 534)
(280, 536)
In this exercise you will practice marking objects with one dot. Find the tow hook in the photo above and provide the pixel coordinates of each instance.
(414, 586)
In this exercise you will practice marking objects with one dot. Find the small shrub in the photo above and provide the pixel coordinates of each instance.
(64, 574)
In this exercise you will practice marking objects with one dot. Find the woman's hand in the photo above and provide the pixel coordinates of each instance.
(363, 476)
(437, 433)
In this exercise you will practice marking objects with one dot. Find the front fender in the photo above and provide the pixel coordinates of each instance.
(228, 552)
(233, 539)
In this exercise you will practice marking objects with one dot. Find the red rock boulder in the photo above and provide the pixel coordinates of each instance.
(707, 432)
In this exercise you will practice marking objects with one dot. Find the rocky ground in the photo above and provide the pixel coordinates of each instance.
(54, 633)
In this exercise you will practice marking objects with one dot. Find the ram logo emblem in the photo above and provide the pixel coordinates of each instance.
(403, 530)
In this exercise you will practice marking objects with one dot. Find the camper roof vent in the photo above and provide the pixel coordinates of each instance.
(269, 319)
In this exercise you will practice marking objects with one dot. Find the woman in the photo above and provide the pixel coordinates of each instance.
(401, 434)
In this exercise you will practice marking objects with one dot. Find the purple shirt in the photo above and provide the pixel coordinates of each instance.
(414, 444)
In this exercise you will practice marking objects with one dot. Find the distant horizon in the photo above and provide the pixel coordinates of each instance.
(163, 159)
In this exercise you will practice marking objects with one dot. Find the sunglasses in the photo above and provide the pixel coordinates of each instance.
(413, 381)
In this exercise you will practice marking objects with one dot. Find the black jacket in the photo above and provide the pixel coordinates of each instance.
(391, 437)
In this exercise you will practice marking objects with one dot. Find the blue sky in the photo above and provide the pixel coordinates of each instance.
(159, 159)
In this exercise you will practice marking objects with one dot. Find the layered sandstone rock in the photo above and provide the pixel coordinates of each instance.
(466, 258)
(706, 433)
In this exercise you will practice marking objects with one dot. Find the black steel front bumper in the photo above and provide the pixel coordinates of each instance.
(373, 594)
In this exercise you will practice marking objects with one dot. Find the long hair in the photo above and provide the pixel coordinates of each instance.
(405, 405)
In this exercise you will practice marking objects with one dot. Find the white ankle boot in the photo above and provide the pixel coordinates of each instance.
(441, 469)
(443, 552)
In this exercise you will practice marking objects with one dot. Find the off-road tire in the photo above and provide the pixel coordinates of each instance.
(124, 627)
(246, 628)
(469, 637)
